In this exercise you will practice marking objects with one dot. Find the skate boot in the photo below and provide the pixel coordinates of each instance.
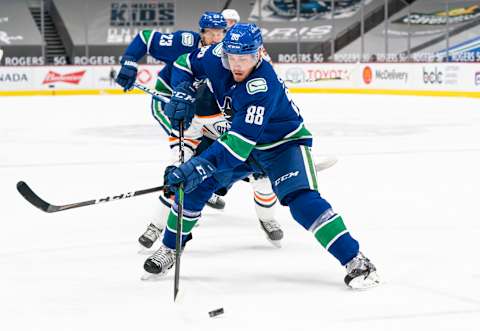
(273, 231)
(216, 202)
(159, 263)
(361, 273)
(150, 236)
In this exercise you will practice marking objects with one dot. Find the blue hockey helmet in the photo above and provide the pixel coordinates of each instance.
(242, 38)
(212, 20)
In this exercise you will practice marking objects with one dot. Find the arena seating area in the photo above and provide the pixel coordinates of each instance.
(96, 32)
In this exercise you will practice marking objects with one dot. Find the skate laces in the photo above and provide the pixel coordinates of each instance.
(271, 226)
(360, 263)
(213, 199)
(152, 232)
(163, 256)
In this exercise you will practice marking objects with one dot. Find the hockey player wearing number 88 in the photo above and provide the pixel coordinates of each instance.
(207, 125)
(267, 135)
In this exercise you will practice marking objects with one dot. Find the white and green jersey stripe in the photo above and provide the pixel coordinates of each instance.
(147, 36)
(300, 132)
(239, 146)
(183, 63)
(309, 167)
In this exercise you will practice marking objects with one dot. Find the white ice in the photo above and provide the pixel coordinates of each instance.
(407, 184)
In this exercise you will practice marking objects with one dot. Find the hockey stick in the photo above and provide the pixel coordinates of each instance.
(41, 204)
(152, 92)
(179, 228)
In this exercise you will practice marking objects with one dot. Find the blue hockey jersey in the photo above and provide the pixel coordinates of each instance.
(165, 47)
(264, 116)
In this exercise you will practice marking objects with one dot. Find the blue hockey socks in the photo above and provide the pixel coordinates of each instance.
(315, 214)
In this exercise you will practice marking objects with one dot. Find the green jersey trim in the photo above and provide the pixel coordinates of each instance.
(239, 146)
(300, 132)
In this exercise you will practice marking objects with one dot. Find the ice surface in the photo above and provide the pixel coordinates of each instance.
(407, 184)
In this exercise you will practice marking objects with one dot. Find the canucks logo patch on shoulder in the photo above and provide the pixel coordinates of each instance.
(187, 39)
(257, 85)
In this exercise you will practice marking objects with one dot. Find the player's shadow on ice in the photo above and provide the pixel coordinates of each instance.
(226, 250)
(267, 279)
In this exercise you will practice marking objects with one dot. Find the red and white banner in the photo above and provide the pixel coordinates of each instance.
(69, 77)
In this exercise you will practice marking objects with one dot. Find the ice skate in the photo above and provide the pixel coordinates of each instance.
(157, 265)
(216, 202)
(150, 235)
(273, 231)
(361, 273)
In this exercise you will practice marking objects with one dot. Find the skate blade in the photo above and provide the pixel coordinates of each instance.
(148, 277)
(361, 283)
(275, 243)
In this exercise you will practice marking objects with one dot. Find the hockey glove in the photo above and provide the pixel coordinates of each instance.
(191, 174)
(167, 191)
(181, 106)
(128, 73)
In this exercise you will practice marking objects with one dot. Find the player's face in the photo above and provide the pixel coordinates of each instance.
(242, 65)
(212, 36)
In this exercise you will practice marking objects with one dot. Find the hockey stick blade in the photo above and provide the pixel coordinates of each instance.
(34, 199)
(41, 204)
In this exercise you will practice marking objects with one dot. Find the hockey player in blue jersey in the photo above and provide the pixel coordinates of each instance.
(207, 125)
(267, 135)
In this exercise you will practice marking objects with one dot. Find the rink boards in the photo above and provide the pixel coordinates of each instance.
(433, 79)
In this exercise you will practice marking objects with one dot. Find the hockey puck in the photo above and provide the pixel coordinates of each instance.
(216, 312)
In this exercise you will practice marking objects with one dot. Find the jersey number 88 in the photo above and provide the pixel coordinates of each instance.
(255, 115)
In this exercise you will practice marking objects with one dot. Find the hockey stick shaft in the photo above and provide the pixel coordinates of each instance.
(152, 92)
(41, 204)
(179, 228)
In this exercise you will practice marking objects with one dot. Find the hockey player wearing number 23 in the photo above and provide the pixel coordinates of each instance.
(268, 136)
